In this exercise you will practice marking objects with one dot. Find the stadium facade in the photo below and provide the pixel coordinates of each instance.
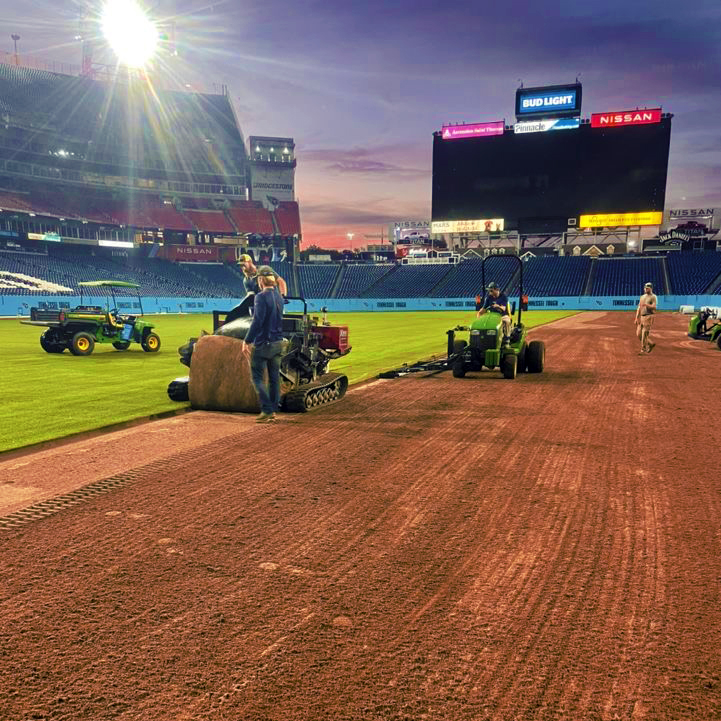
(158, 187)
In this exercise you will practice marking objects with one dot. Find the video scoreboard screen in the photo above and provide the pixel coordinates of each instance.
(535, 181)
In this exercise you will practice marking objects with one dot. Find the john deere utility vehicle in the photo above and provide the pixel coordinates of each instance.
(488, 347)
(705, 326)
(79, 329)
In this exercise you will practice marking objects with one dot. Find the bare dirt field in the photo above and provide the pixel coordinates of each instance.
(430, 548)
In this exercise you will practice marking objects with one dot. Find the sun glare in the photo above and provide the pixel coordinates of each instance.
(130, 32)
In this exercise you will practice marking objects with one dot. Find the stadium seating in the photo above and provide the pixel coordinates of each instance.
(356, 279)
(65, 265)
(626, 276)
(465, 279)
(552, 275)
(287, 216)
(316, 281)
(408, 281)
(251, 217)
(219, 276)
(210, 221)
(692, 273)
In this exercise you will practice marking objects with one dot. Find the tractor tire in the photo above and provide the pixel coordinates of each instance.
(151, 343)
(82, 344)
(459, 346)
(536, 356)
(522, 366)
(509, 365)
(459, 368)
(718, 341)
(121, 344)
(50, 342)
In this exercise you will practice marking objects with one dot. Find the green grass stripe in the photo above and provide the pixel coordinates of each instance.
(49, 396)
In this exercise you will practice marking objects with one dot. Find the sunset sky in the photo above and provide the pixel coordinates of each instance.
(362, 86)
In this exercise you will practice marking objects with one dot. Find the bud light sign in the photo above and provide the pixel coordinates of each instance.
(551, 102)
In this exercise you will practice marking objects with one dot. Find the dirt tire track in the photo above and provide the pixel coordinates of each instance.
(431, 548)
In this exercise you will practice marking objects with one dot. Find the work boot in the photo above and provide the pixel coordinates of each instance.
(265, 418)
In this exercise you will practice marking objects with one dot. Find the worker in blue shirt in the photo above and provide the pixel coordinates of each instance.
(264, 342)
(497, 302)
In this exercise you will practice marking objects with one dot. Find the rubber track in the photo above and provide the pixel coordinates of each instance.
(294, 401)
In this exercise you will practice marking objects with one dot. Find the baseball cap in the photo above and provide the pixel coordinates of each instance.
(243, 258)
(266, 270)
(492, 286)
(648, 285)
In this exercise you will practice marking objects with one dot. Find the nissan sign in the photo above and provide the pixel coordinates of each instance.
(626, 117)
(551, 102)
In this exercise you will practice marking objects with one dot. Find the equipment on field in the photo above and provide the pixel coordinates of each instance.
(487, 345)
(309, 347)
(705, 325)
(79, 329)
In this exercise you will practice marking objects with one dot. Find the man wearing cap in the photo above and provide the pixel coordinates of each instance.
(644, 318)
(497, 302)
(264, 342)
(250, 273)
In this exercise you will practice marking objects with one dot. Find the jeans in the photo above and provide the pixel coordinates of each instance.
(267, 357)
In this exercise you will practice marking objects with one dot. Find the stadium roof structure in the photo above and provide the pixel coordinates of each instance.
(131, 124)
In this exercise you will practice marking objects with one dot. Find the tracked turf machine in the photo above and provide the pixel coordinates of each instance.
(487, 346)
(220, 374)
(705, 325)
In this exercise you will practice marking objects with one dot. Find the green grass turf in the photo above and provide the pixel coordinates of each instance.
(48, 396)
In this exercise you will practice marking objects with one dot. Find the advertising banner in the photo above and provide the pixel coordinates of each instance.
(202, 253)
(491, 225)
(541, 126)
(476, 130)
(552, 101)
(626, 117)
(407, 235)
(615, 220)
(686, 213)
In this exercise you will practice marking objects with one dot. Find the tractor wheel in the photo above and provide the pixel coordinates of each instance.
(718, 341)
(82, 344)
(151, 343)
(509, 365)
(51, 343)
(536, 356)
(459, 368)
(121, 344)
(523, 358)
(459, 346)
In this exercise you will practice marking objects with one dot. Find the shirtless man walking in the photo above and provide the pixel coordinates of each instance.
(644, 318)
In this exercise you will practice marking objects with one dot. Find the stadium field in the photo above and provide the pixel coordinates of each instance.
(46, 397)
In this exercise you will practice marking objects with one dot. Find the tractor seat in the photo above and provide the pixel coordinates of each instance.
(112, 321)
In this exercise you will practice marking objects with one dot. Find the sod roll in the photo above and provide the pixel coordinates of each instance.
(220, 376)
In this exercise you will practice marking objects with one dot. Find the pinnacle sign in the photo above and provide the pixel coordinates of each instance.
(626, 117)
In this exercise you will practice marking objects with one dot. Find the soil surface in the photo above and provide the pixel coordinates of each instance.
(430, 548)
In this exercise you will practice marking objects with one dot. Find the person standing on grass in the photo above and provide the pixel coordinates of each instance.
(264, 342)
(644, 319)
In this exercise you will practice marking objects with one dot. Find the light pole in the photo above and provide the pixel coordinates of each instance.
(350, 238)
(15, 40)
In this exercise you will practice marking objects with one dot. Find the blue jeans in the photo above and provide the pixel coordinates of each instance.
(267, 357)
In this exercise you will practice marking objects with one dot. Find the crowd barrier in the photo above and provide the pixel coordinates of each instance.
(14, 306)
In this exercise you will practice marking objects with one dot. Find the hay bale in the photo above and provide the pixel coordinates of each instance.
(220, 376)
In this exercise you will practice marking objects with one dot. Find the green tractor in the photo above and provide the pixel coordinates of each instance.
(489, 346)
(705, 326)
(80, 328)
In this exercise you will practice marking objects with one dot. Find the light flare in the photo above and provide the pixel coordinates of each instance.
(130, 32)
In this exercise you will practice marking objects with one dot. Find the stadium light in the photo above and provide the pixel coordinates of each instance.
(130, 32)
